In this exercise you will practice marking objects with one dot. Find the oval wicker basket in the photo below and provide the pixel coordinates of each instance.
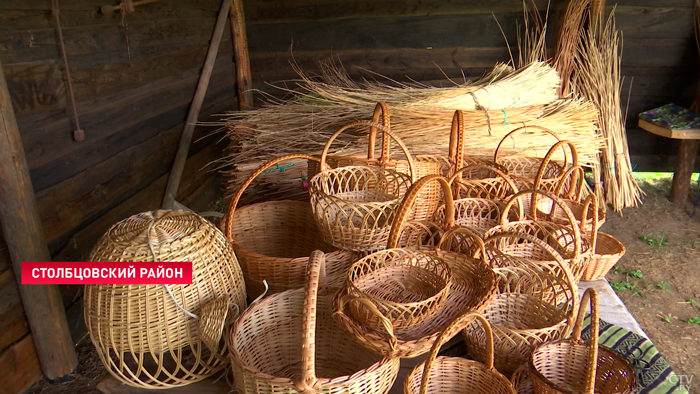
(147, 335)
(355, 206)
(288, 343)
(572, 365)
(526, 168)
(473, 285)
(457, 375)
(273, 240)
(405, 286)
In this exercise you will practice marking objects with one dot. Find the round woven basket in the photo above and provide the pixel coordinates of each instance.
(273, 240)
(456, 374)
(288, 343)
(355, 206)
(405, 286)
(572, 365)
(521, 380)
(536, 302)
(161, 336)
(423, 165)
(472, 288)
(608, 251)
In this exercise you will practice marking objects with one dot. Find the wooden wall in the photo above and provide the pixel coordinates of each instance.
(133, 79)
(405, 39)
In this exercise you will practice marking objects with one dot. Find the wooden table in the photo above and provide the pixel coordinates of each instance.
(685, 162)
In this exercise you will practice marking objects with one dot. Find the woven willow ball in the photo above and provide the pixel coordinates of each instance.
(406, 286)
(142, 335)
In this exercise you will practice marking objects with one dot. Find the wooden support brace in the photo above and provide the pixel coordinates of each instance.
(24, 236)
(240, 50)
(685, 162)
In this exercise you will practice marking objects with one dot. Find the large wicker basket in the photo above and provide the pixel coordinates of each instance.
(457, 375)
(355, 206)
(526, 168)
(160, 336)
(576, 366)
(273, 240)
(288, 343)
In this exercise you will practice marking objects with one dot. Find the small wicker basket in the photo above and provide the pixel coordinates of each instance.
(162, 336)
(288, 343)
(607, 250)
(355, 206)
(273, 240)
(575, 366)
(455, 374)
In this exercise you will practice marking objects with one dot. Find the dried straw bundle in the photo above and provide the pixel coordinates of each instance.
(571, 29)
(597, 78)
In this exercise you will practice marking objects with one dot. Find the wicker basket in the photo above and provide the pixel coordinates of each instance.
(455, 374)
(288, 343)
(473, 286)
(161, 336)
(575, 366)
(607, 250)
(423, 165)
(354, 206)
(405, 286)
(521, 380)
(536, 302)
(273, 240)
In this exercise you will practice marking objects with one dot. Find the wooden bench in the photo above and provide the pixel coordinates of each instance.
(685, 160)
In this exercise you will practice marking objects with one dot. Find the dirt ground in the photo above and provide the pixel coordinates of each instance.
(658, 279)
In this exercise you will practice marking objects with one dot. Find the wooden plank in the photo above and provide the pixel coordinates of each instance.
(148, 198)
(654, 22)
(661, 52)
(681, 134)
(9, 293)
(67, 206)
(24, 235)
(40, 87)
(114, 126)
(19, 367)
(13, 327)
(437, 31)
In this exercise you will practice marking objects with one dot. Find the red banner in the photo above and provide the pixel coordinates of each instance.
(106, 273)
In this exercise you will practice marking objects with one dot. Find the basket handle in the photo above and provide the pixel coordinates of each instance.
(498, 148)
(591, 204)
(575, 192)
(456, 146)
(380, 110)
(444, 337)
(590, 295)
(457, 177)
(386, 323)
(404, 148)
(447, 238)
(227, 220)
(533, 211)
(569, 276)
(409, 199)
(548, 158)
(308, 380)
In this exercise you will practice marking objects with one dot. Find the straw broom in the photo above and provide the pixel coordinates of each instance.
(596, 77)
(569, 36)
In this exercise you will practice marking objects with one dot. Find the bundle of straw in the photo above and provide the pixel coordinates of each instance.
(421, 117)
(596, 77)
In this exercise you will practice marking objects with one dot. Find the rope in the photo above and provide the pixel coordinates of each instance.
(155, 258)
(78, 133)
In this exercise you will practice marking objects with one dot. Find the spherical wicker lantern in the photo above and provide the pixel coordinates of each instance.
(162, 336)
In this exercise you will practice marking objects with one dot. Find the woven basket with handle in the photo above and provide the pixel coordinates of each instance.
(607, 250)
(161, 336)
(273, 240)
(576, 366)
(535, 302)
(422, 164)
(442, 374)
(473, 284)
(288, 343)
(355, 206)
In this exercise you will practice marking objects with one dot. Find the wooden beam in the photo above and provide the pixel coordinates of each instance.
(240, 50)
(25, 240)
(685, 162)
(202, 85)
(19, 367)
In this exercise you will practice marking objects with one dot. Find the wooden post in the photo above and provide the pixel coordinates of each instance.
(195, 107)
(240, 51)
(24, 235)
(685, 162)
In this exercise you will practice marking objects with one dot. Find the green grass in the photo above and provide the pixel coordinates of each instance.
(655, 241)
(664, 285)
(624, 285)
(693, 320)
(634, 274)
(657, 176)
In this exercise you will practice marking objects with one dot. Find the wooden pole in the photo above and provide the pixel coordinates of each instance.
(24, 236)
(240, 51)
(685, 163)
(195, 107)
